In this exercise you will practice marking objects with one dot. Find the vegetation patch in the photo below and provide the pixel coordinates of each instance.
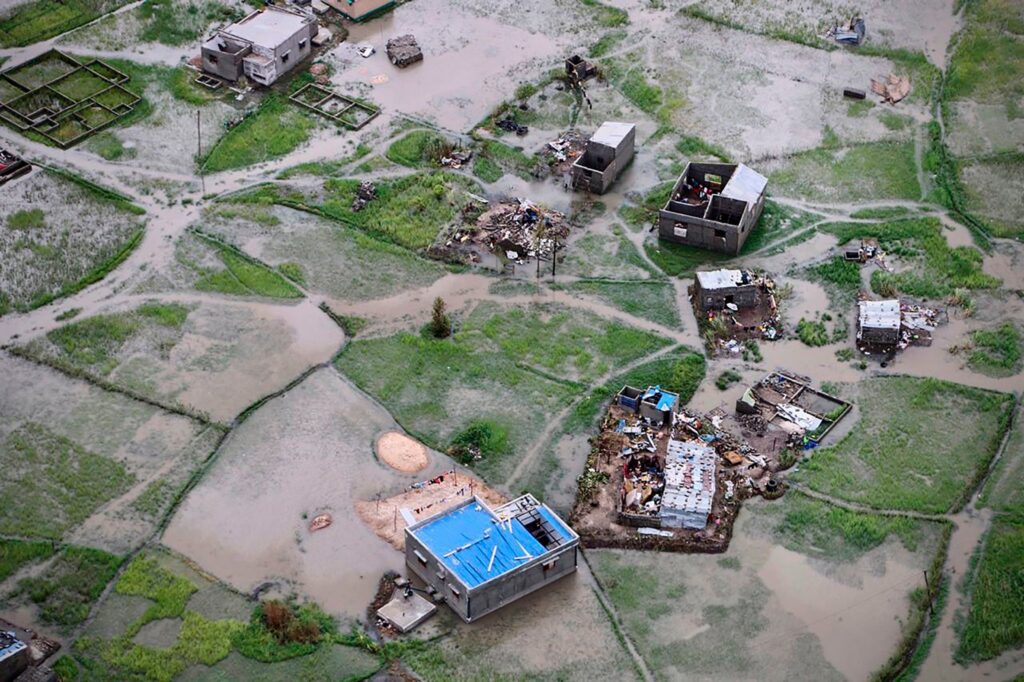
(419, 149)
(870, 171)
(52, 484)
(921, 444)
(280, 630)
(993, 621)
(840, 277)
(272, 131)
(65, 591)
(654, 301)
(173, 22)
(35, 21)
(996, 351)
(244, 275)
(17, 553)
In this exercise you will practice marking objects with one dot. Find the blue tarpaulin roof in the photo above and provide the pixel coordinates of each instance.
(476, 526)
(666, 401)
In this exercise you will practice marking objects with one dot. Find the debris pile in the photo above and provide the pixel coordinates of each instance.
(522, 229)
(561, 153)
(457, 158)
(917, 323)
(11, 166)
(511, 126)
(366, 193)
(851, 34)
(892, 89)
(404, 50)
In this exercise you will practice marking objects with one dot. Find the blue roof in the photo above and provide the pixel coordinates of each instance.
(476, 526)
(666, 401)
(556, 522)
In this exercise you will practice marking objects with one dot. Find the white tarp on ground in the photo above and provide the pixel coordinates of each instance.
(799, 416)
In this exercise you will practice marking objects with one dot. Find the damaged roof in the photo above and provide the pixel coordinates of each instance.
(721, 279)
(746, 184)
(880, 314)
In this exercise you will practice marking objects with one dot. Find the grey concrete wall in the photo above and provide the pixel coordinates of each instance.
(497, 593)
(879, 336)
(715, 299)
(600, 165)
(228, 65)
(431, 572)
(291, 47)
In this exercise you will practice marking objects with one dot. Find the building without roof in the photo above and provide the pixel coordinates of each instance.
(262, 47)
(713, 206)
(478, 559)
(878, 323)
(14, 655)
(653, 404)
(716, 289)
(608, 152)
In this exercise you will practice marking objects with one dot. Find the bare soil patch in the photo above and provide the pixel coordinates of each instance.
(401, 452)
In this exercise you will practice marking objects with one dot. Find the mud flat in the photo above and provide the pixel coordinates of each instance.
(307, 452)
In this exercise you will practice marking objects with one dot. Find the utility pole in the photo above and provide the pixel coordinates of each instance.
(199, 148)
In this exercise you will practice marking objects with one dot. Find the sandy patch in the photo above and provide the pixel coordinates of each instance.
(385, 518)
(400, 452)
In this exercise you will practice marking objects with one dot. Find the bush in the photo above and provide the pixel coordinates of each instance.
(727, 379)
(279, 630)
(812, 333)
(440, 323)
(482, 437)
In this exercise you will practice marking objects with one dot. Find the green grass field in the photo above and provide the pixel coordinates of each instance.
(65, 592)
(654, 301)
(276, 128)
(871, 171)
(38, 20)
(417, 149)
(920, 444)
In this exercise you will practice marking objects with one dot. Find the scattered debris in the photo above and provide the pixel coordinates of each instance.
(561, 153)
(734, 305)
(522, 230)
(323, 35)
(366, 193)
(892, 89)
(851, 34)
(457, 158)
(511, 126)
(366, 51)
(788, 407)
(23, 652)
(404, 50)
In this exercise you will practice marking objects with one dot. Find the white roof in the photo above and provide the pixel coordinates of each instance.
(720, 279)
(880, 314)
(268, 28)
(611, 133)
(745, 184)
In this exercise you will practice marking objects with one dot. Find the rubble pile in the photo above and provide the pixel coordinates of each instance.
(892, 89)
(511, 126)
(404, 50)
(917, 323)
(366, 193)
(522, 230)
(561, 153)
(457, 158)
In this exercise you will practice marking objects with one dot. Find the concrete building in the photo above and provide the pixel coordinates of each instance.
(689, 485)
(478, 559)
(878, 323)
(653, 403)
(262, 47)
(716, 289)
(713, 206)
(609, 151)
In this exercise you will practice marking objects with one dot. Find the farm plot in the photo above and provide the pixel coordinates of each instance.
(213, 359)
(920, 445)
(88, 466)
(38, 20)
(49, 248)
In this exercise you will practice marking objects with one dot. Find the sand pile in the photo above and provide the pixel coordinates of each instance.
(402, 453)
(385, 520)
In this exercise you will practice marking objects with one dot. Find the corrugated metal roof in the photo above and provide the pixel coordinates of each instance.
(880, 314)
(689, 478)
(746, 184)
(611, 133)
(720, 279)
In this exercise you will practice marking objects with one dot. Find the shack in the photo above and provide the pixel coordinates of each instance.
(478, 559)
(14, 655)
(689, 484)
(579, 69)
(608, 152)
(652, 404)
(713, 206)
(878, 323)
(263, 46)
(719, 289)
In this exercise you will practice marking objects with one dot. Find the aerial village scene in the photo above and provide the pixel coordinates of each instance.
(476, 340)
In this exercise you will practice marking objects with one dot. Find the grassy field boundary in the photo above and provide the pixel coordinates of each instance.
(122, 201)
(222, 245)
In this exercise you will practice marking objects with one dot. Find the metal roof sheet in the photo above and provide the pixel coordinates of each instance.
(719, 279)
(746, 184)
(880, 314)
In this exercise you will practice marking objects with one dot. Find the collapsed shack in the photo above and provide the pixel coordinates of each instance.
(671, 483)
(507, 233)
(787, 414)
(892, 89)
(11, 166)
(884, 327)
(404, 50)
(851, 34)
(733, 306)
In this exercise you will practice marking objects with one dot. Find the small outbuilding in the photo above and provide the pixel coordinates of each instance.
(878, 323)
(478, 559)
(14, 655)
(713, 206)
(720, 289)
(608, 152)
(653, 403)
